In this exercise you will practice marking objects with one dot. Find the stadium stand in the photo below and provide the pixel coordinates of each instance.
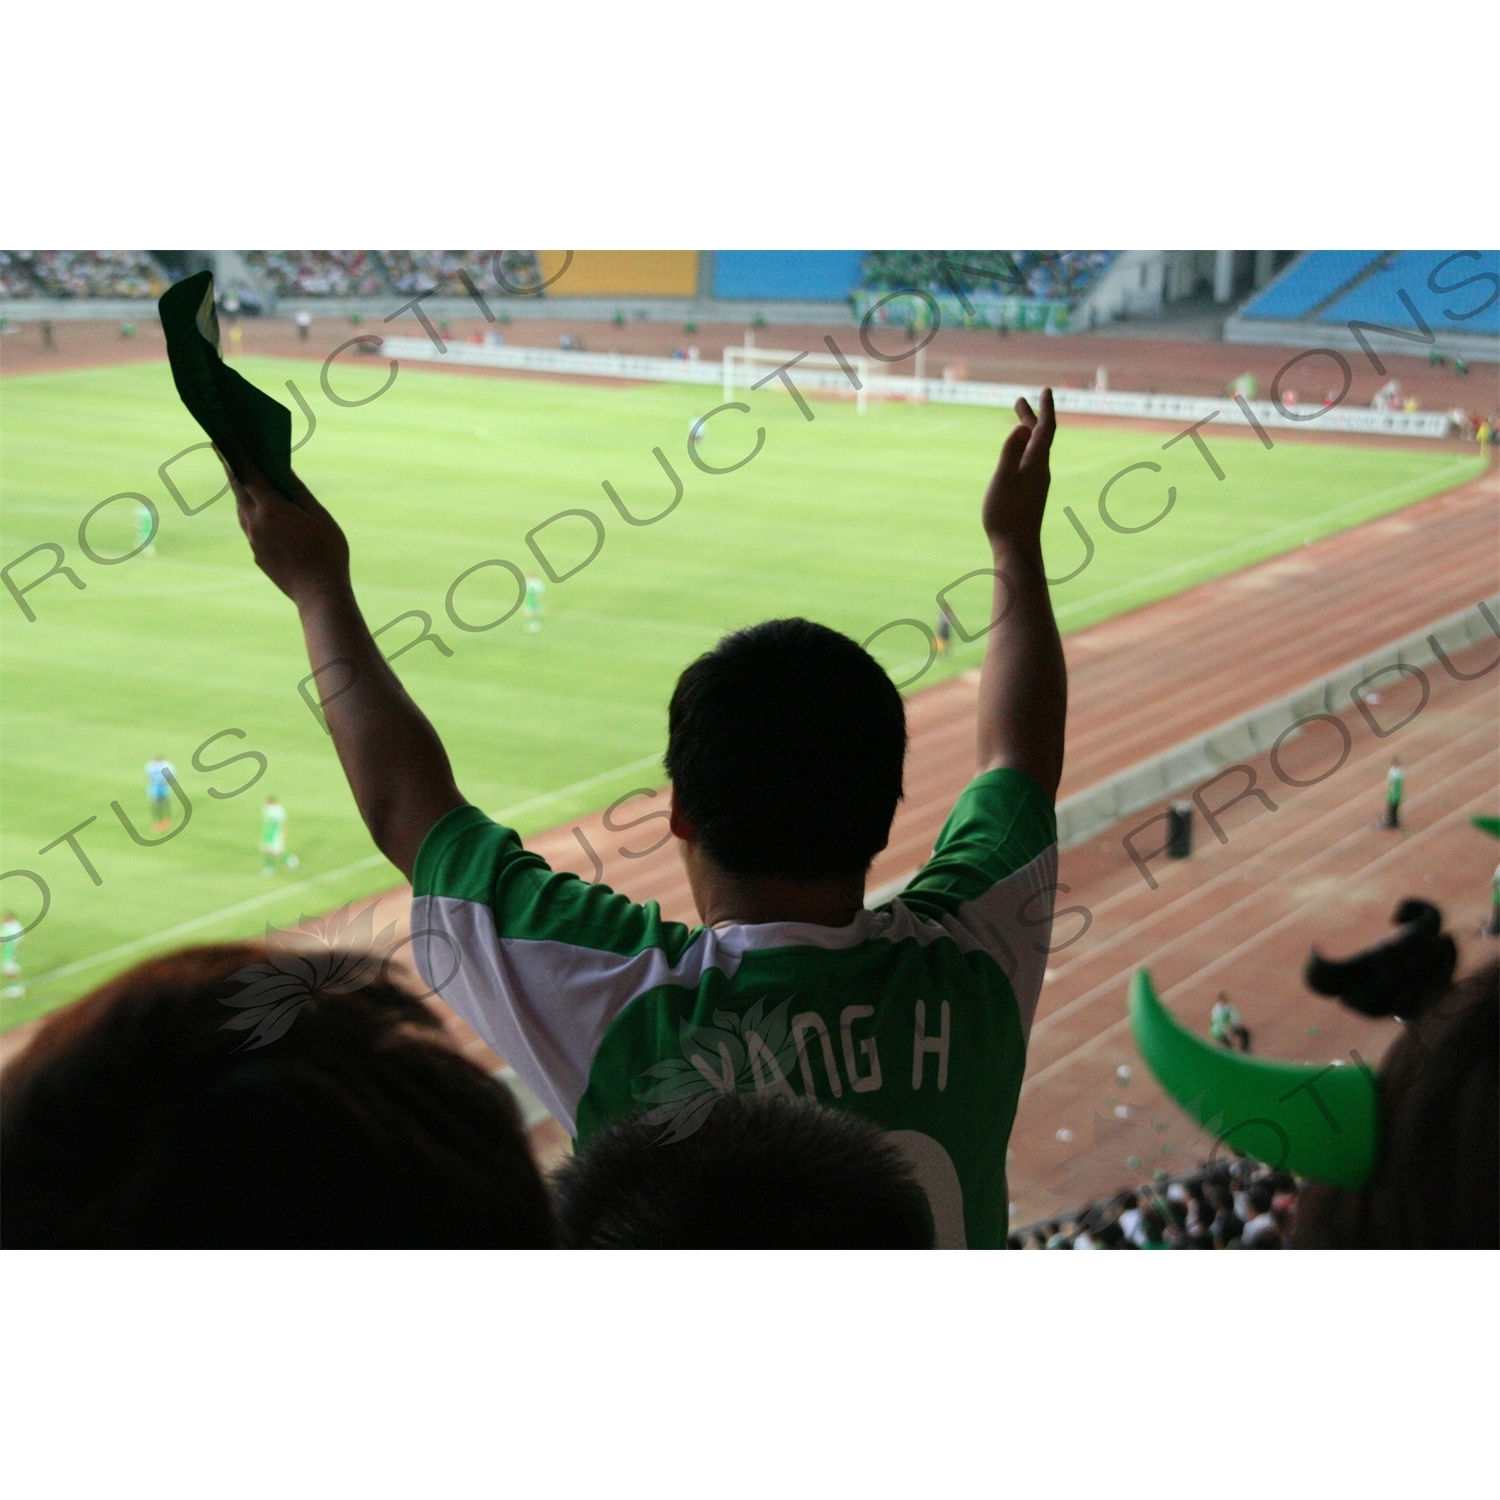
(833, 275)
(413, 271)
(319, 273)
(374, 273)
(1374, 299)
(786, 275)
(17, 278)
(1062, 274)
(618, 273)
(1067, 273)
(782, 275)
(80, 273)
(1309, 282)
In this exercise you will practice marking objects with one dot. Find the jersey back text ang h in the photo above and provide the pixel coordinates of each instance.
(915, 1015)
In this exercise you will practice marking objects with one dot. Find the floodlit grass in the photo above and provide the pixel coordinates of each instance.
(852, 521)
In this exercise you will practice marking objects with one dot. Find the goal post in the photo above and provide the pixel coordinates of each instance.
(834, 373)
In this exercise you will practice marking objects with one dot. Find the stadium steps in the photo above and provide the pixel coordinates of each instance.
(233, 273)
(377, 260)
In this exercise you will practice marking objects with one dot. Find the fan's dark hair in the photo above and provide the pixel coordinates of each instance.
(133, 1120)
(785, 747)
(763, 1172)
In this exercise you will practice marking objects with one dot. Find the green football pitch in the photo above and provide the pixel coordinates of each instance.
(854, 521)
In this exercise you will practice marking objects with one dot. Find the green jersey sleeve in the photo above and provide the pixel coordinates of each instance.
(992, 879)
(1001, 822)
(466, 856)
(538, 961)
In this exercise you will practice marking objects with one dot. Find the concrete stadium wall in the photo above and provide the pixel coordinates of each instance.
(1470, 346)
(78, 309)
(1134, 286)
(1089, 812)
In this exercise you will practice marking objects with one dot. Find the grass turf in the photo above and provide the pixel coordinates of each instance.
(852, 521)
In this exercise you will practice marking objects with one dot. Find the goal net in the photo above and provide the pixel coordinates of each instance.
(832, 373)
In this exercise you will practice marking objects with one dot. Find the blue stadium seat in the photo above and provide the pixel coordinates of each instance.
(786, 275)
(1376, 301)
(1305, 283)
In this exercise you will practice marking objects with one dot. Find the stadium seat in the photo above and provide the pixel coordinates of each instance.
(1317, 276)
(1376, 300)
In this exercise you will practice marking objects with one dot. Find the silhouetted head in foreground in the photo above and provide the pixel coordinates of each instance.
(785, 749)
(762, 1172)
(1436, 1179)
(1397, 976)
(135, 1119)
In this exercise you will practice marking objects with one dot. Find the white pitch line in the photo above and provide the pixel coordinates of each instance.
(183, 928)
(587, 784)
(123, 950)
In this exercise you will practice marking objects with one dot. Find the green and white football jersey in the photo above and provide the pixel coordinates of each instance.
(11, 933)
(273, 827)
(914, 1016)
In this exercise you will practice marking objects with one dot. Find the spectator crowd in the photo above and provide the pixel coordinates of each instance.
(287, 273)
(414, 271)
(319, 273)
(370, 273)
(80, 273)
(1048, 274)
(1062, 275)
(1236, 1204)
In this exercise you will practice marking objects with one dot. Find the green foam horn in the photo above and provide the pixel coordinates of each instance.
(1319, 1122)
(1490, 826)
